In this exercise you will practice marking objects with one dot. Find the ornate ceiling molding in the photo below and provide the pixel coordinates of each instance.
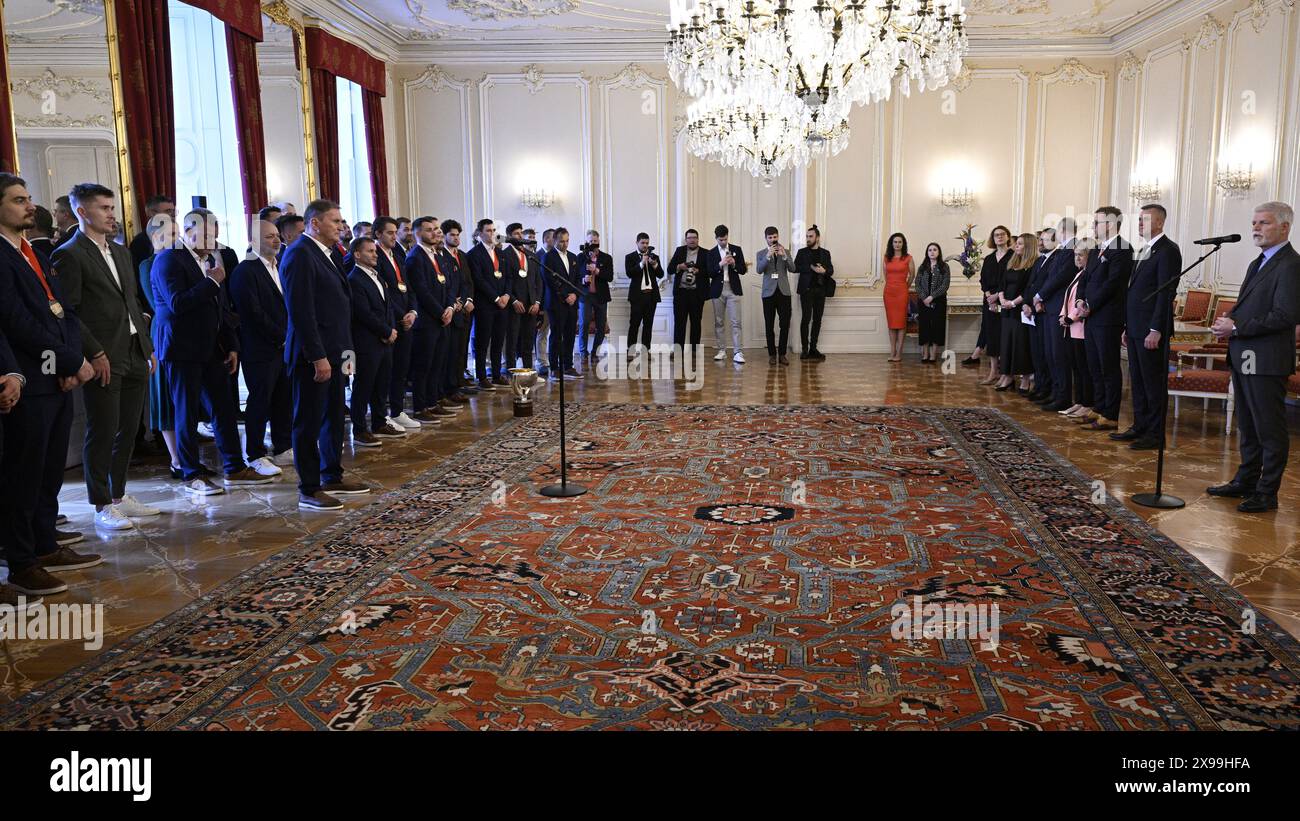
(962, 81)
(503, 9)
(62, 121)
(534, 79)
(435, 79)
(1258, 16)
(64, 88)
(1210, 32)
(1130, 67)
(1072, 72)
(634, 76)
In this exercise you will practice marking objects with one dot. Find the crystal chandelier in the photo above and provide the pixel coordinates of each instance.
(764, 141)
(826, 55)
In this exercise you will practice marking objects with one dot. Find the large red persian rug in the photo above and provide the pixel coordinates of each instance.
(731, 568)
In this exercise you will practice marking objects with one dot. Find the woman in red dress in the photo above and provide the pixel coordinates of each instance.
(900, 269)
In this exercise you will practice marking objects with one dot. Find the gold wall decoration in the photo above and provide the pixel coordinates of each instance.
(129, 215)
(281, 13)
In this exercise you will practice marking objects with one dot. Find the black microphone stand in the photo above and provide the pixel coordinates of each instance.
(1159, 499)
(564, 489)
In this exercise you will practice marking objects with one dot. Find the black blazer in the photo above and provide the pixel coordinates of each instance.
(32, 331)
(141, 248)
(1164, 262)
(191, 324)
(559, 283)
(993, 272)
(1266, 314)
(713, 259)
(804, 259)
(465, 283)
(403, 301)
(636, 274)
(488, 286)
(106, 307)
(373, 317)
(701, 275)
(526, 286)
(46, 246)
(1058, 273)
(320, 305)
(604, 274)
(1108, 274)
(430, 295)
(263, 316)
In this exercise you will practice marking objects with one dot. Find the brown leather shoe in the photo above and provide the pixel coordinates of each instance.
(345, 488)
(65, 558)
(248, 476)
(426, 415)
(318, 501)
(35, 581)
(783, 359)
(439, 412)
(459, 399)
(447, 403)
(16, 600)
(366, 439)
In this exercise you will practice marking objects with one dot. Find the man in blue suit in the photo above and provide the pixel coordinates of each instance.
(1149, 318)
(263, 322)
(318, 349)
(560, 272)
(374, 332)
(429, 362)
(199, 350)
(45, 341)
(1048, 301)
(1103, 307)
(491, 317)
(390, 263)
(464, 318)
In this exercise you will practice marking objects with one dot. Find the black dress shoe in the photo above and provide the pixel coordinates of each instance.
(1057, 407)
(1005, 387)
(1232, 490)
(970, 362)
(1127, 436)
(1145, 443)
(1258, 503)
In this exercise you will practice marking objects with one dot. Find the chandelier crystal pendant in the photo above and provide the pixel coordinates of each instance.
(826, 55)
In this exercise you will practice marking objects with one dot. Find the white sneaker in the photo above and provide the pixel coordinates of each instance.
(739, 357)
(111, 518)
(404, 421)
(720, 355)
(265, 467)
(284, 459)
(205, 430)
(132, 508)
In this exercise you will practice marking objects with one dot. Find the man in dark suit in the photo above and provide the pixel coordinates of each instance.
(1058, 272)
(464, 317)
(690, 290)
(390, 263)
(1262, 353)
(45, 340)
(318, 351)
(99, 283)
(258, 293)
(526, 292)
(643, 274)
(374, 331)
(1104, 301)
(290, 227)
(405, 235)
(141, 246)
(492, 298)
(450, 291)
(42, 236)
(65, 222)
(561, 298)
(813, 262)
(1149, 318)
(593, 312)
(541, 348)
(726, 264)
(199, 350)
(1047, 248)
(429, 282)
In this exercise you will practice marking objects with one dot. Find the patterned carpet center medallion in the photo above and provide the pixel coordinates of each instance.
(731, 568)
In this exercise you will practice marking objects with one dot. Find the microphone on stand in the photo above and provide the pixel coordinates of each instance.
(1218, 240)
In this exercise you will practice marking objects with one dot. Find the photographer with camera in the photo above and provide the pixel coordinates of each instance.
(596, 275)
(643, 273)
(690, 289)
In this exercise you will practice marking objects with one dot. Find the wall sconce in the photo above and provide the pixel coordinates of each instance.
(539, 199)
(955, 199)
(1236, 181)
(1145, 191)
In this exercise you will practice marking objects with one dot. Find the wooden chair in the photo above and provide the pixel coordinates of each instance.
(1204, 383)
(1195, 306)
(1222, 307)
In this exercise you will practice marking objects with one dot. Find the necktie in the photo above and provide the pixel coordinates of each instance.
(591, 281)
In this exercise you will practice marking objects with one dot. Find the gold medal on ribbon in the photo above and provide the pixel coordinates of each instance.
(441, 278)
(56, 308)
(497, 274)
(401, 286)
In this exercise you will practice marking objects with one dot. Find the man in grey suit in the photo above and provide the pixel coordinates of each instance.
(775, 267)
(99, 284)
(1262, 353)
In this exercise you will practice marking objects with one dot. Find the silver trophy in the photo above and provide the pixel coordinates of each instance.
(522, 381)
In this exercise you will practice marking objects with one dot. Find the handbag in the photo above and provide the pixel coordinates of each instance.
(829, 287)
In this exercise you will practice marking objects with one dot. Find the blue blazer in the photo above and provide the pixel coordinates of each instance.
(263, 317)
(190, 324)
(26, 321)
(1058, 274)
(556, 288)
(320, 305)
(430, 295)
(1108, 275)
(402, 302)
(487, 285)
(373, 317)
(713, 263)
(1163, 263)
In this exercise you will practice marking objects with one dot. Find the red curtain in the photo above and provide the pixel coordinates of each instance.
(242, 50)
(243, 15)
(144, 46)
(8, 139)
(373, 105)
(325, 122)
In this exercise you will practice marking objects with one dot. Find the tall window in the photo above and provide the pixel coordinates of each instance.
(355, 195)
(207, 154)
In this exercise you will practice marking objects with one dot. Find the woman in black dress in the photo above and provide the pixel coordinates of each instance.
(992, 272)
(932, 280)
(1015, 354)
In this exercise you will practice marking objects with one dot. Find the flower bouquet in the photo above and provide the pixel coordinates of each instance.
(971, 257)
